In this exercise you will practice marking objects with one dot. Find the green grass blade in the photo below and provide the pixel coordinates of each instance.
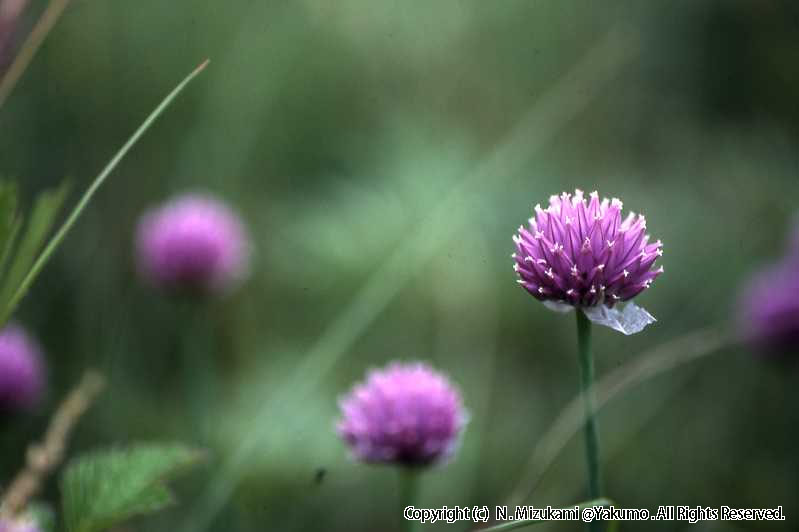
(642, 367)
(9, 221)
(58, 237)
(41, 220)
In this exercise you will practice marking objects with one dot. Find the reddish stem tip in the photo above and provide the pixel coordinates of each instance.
(202, 66)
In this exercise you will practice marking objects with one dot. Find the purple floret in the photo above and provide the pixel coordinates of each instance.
(405, 414)
(769, 308)
(18, 525)
(192, 243)
(21, 369)
(582, 253)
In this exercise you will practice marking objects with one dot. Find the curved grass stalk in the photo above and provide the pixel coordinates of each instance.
(20, 291)
(31, 45)
(641, 368)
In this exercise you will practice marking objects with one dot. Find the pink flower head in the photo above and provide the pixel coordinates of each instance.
(405, 414)
(194, 243)
(21, 369)
(769, 306)
(18, 525)
(582, 253)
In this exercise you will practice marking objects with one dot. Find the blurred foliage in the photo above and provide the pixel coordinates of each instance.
(21, 255)
(350, 133)
(104, 488)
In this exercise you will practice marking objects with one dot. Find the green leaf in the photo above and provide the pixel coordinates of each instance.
(9, 223)
(41, 221)
(19, 290)
(102, 489)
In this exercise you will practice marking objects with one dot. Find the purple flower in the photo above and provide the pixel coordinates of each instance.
(192, 243)
(581, 253)
(10, 12)
(769, 308)
(21, 369)
(18, 525)
(405, 414)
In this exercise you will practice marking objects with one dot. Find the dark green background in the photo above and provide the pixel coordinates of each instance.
(355, 134)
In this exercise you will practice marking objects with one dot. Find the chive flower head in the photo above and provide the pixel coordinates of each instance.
(769, 306)
(18, 525)
(193, 243)
(581, 252)
(21, 369)
(406, 414)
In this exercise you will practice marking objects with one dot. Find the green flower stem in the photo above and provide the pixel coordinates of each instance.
(409, 491)
(591, 430)
(200, 376)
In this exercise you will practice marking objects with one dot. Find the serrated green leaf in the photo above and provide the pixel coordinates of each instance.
(102, 489)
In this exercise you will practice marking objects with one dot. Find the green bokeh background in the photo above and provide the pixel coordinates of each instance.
(382, 153)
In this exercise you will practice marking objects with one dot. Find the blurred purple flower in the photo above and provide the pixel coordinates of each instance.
(10, 11)
(405, 414)
(769, 308)
(18, 525)
(583, 254)
(192, 243)
(21, 369)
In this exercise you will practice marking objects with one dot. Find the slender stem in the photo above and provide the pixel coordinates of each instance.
(62, 231)
(591, 431)
(44, 457)
(200, 381)
(409, 490)
(31, 45)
